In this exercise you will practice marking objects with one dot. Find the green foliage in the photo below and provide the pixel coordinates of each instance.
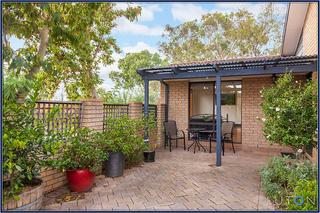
(281, 176)
(308, 190)
(223, 35)
(128, 77)
(27, 146)
(128, 83)
(123, 135)
(290, 112)
(81, 151)
(126, 135)
(63, 42)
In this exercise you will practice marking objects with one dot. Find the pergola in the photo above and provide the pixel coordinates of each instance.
(240, 67)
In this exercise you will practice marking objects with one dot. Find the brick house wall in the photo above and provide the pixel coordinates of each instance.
(178, 103)
(252, 134)
(310, 31)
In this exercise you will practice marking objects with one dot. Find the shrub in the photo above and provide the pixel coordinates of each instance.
(281, 176)
(308, 191)
(126, 135)
(26, 144)
(290, 112)
(274, 178)
(81, 151)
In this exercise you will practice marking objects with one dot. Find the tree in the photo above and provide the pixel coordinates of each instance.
(128, 81)
(290, 112)
(64, 42)
(224, 35)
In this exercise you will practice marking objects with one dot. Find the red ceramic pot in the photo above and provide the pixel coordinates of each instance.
(80, 180)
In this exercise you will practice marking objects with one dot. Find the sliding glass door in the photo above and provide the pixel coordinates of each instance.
(202, 106)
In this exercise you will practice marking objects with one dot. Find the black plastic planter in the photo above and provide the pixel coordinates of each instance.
(149, 156)
(114, 166)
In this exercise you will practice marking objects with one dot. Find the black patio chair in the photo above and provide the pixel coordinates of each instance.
(226, 135)
(172, 133)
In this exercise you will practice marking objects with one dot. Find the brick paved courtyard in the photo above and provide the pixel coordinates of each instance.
(179, 180)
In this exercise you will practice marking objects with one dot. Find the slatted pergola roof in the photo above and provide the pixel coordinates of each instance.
(232, 67)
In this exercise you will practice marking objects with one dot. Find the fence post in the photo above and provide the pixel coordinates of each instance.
(92, 114)
(160, 119)
(135, 110)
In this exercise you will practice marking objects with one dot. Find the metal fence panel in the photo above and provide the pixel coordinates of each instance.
(59, 116)
(114, 111)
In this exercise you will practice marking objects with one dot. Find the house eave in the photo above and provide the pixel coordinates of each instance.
(293, 28)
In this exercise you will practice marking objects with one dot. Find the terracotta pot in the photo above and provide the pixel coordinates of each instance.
(80, 180)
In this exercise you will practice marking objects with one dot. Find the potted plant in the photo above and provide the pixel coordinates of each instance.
(151, 142)
(149, 155)
(26, 147)
(81, 158)
(122, 139)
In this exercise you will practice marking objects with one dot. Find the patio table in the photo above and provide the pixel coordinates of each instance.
(211, 132)
(195, 138)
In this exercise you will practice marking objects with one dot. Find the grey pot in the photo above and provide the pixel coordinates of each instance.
(114, 166)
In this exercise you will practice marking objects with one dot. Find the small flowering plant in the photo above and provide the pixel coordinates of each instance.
(290, 112)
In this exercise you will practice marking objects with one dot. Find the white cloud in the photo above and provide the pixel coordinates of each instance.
(147, 13)
(125, 26)
(139, 47)
(187, 12)
(254, 8)
(233, 7)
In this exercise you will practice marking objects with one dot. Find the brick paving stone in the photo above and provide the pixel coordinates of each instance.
(179, 180)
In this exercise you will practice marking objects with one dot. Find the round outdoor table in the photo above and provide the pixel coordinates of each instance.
(195, 138)
(210, 137)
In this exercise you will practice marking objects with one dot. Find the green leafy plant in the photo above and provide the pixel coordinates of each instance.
(290, 112)
(125, 135)
(81, 151)
(27, 146)
(281, 176)
(308, 191)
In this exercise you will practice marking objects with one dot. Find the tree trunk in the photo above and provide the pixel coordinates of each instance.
(43, 46)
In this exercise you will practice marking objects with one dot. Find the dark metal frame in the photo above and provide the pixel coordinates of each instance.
(114, 111)
(68, 116)
(226, 68)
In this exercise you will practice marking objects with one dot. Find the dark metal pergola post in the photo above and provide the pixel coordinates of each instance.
(146, 105)
(218, 120)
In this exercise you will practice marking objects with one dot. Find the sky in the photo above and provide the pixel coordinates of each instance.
(145, 33)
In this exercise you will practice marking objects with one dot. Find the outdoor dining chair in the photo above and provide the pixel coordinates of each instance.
(172, 133)
(226, 135)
